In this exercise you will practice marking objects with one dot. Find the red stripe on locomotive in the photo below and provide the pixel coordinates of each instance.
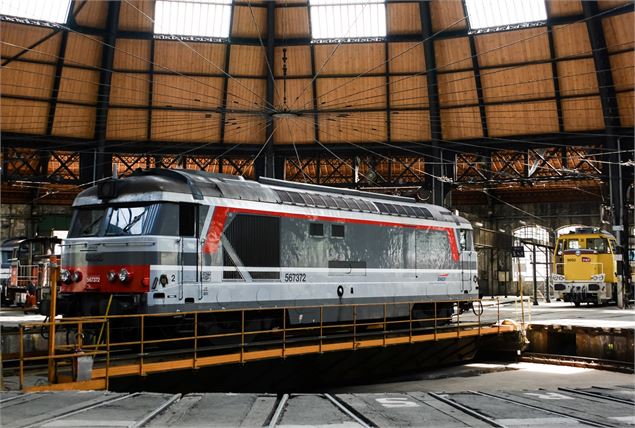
(220, 217)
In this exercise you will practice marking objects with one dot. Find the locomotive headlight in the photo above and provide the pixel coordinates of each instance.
(557, 277)
(77, 276)
(598, 277)
(65, 276)
(112, 276)
(124, 275)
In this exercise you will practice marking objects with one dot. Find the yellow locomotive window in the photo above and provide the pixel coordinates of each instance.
(599, 245)
(572, 244)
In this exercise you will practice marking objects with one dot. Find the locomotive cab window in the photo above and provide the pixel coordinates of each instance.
(465, 239)
(316, 229)
(598, 245)
(337, 230)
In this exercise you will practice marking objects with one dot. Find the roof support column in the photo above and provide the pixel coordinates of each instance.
(617, 185)
(433, 165)
(100, 165)
(267, 163)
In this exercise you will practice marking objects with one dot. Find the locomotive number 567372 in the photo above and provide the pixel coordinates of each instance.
(295, 277)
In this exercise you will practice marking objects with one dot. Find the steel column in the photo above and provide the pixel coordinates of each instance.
(433, 166)
(102, 162)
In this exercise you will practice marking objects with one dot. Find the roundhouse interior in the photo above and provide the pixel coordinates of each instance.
(521, 121)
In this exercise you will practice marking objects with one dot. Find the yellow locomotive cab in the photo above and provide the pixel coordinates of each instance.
(584, 267)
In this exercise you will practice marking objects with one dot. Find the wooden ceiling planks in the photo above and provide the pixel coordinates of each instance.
(517, 83)
(619, 31)
(245, 129)
(299, 94)
(558, 8)
(187, 92)
(79, 85)
(409, 126)
(249, 21)
(408, 92)
(403, 18)
(91, 13)
(351, 93)
(128, 89)
(82, 49)
(353, 127)
(127, 124)
(457, 89)
(461, 123)
(27, 79)
(571, 40)
(510, 47)
(18, 37)
(132, 54)
(406, 57)
(248, 61)
(538, 117)
(623, 70)
(74, 121)
(247, 94)
(577, 77)
(136, 15)
(298, 61)
(184, 126)
(292, 22)
(189, 57)
(625, 105)
(294, 130)
(23, 115)
(582, 114)
(350, 58)
(453, 54)
(447, 15)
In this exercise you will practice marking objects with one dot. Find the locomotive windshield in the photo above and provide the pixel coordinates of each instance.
(125, 220)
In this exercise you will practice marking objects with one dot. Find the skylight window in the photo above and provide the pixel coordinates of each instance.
(348, 19)
(200, 18)
(501, 13)
(42, 10)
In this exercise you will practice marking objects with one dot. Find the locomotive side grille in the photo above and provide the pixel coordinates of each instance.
(256, 242)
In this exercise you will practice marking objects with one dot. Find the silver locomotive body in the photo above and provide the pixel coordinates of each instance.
(168, 241)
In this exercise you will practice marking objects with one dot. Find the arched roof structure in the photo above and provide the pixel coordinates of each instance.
(434, 103)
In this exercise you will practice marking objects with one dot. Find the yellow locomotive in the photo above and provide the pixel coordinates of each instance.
(585, 267)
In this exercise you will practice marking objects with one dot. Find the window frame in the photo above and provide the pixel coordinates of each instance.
(314, 21)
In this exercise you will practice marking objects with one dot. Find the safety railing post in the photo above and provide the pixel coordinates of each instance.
(385, 326)
(21, 374)
(195, 355)
(410, 322)
(321, 326)
(107, 352)
(242, 335)
(355, 327)
(435, 321)
(458, 319)
(284, 333)
(480, 312)
(142, 344)
(498, 314)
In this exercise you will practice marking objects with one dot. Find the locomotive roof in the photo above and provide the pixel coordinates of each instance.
(199, 184)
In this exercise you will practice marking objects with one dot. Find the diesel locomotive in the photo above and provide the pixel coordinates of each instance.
(585, 266)
(162, 241)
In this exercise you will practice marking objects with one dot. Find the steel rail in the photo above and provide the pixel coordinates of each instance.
(596, 395)
(356, 416)
(156, 411)
(276, 415)
(542, 409)
(467, 410)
